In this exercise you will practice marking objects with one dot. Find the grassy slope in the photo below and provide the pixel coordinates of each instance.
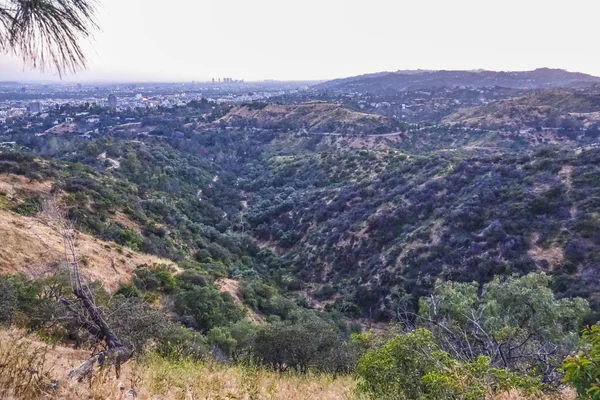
(29, 245)
(157, 378)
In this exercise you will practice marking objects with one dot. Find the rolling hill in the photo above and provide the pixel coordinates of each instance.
(393, 82)
(312, 117)
(556, 108)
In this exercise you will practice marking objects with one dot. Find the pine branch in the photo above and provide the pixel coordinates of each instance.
(47, 33)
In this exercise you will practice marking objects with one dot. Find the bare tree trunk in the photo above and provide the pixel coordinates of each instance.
(86, 311)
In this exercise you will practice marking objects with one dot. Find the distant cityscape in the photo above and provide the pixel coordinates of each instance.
(21, 99)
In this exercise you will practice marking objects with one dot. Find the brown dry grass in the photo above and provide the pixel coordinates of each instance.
(12, 186)
(159, 379)
(317, 116)
(553, 254)
(63, 128)
(125, 221)
(29, 246)
(566, 176)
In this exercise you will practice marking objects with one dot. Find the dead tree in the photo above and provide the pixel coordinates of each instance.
(84, 307)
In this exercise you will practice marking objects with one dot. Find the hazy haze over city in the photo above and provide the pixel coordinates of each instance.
(179, 40)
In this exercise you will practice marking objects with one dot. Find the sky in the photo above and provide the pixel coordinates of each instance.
(185, 40)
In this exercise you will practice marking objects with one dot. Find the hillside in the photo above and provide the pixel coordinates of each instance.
(313, 117)
(288, 244)
(33, 246)
(156, 378)
(378, 225)
(558, 108)
(360, 216)
(393, 82)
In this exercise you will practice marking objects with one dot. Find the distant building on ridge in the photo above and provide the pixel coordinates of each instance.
(112, 101)
(35, 107)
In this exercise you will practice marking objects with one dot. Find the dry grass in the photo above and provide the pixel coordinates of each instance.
(29, 366)
(160, 379)
(191, 380)
(29, 246)
(63, 128)
(24, 371)
(127, 222)
(554, 254)
(317, 116)
(12, 186)
(152, 378)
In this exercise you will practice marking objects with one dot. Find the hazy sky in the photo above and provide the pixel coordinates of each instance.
(188, 40)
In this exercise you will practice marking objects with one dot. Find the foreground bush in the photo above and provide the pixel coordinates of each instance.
(582, 370)
(411, 366)
(517, 322)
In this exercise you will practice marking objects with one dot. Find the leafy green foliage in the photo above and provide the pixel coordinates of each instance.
(411, 366)
(31, 205)
(516, 322)
(299, 345)
(156, 278)
(204, 308)
(582, 369)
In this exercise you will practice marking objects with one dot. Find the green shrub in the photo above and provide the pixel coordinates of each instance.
(283, 345)
(411, 366)
(129, 290)
(204, 308)
(130, 239)
(154, 278)
(221, 338)
(31, 205)
(582, 369)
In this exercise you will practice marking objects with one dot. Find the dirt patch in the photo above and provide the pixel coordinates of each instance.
(539, 188)
(271, 245)
(566, 176)
(114, 164)
(554, 255)
(63, 128)
(29, 246)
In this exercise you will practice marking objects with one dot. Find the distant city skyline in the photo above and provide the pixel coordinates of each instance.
(146, 40)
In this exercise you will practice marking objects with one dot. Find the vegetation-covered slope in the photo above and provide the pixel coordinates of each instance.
(378, 225)
(394, 82)
(558, 108)
(313, 117)
(269, 227)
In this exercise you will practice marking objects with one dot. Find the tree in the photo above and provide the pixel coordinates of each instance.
(299, 346)
(83, 308)
(517, 322)
(47, 33)
(412, 366)
(205, 308)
